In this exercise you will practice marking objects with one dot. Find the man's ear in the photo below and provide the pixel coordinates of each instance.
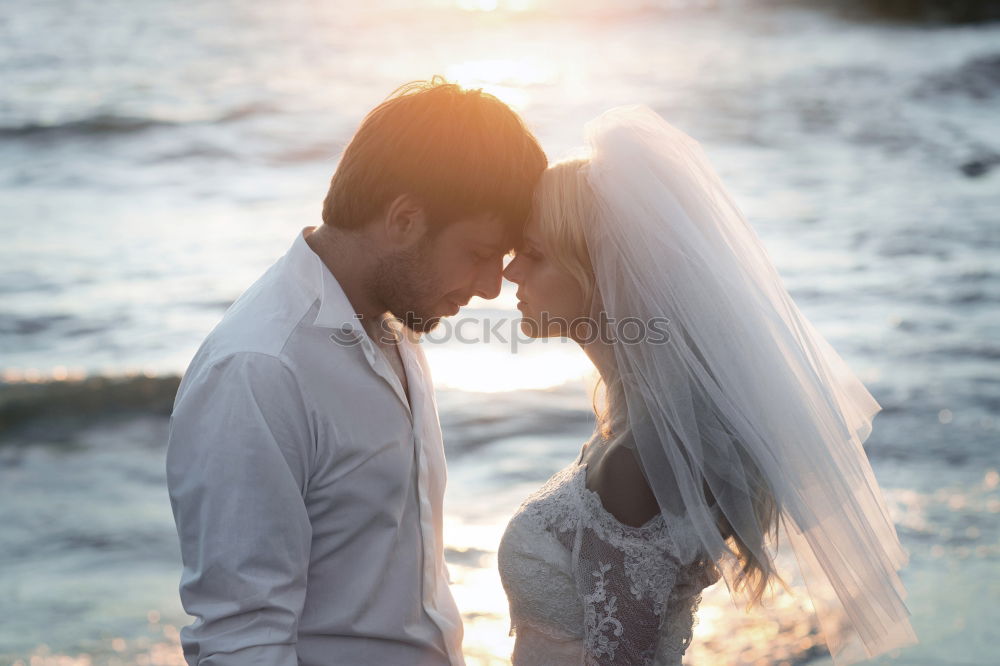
(405, 221)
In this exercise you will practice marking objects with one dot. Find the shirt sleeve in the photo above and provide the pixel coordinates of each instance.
(624, 582)
(238, 461)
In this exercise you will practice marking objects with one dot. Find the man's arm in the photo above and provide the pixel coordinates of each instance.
(238, 462)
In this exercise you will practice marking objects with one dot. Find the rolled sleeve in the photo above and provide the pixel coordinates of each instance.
(238, 462)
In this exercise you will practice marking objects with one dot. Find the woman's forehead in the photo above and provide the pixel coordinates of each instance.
(532, 231)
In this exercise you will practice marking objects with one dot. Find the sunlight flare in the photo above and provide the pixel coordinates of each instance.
(485, 369)
(506, 78)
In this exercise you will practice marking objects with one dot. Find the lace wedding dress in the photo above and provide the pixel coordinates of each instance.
(586, 589)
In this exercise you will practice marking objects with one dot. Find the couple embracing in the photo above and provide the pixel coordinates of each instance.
(305, 461)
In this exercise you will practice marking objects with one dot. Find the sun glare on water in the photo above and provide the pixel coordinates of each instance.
(494, 5)
(508, 79)
(489, 369)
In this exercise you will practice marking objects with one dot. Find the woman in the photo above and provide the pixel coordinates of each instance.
(727, 420)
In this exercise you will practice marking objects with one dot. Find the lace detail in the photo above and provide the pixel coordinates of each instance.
(598, 642)
(585, 588)
(638, 544)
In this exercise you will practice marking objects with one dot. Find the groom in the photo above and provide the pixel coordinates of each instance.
(305, 463)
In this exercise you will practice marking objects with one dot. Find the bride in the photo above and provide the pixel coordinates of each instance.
(727, 420)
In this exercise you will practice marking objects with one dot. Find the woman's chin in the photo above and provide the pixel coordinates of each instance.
(531, 329)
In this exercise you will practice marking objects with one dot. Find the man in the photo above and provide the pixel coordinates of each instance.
(305, 461)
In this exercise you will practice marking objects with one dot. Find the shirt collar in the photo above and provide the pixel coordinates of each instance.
(335, 311)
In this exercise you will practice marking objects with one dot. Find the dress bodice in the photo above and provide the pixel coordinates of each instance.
(586, 589)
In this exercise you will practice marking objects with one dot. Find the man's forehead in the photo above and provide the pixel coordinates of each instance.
(488, 229)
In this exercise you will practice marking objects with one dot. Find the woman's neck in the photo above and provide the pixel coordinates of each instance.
(602, 355)
(613, 419)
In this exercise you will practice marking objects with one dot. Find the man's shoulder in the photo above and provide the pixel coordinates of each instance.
(263, 318)
(257, 329)
(218, 373)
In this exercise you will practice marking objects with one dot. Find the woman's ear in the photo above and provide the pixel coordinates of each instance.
(405, 222)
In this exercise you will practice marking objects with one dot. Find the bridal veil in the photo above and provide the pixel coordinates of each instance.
(744, 396)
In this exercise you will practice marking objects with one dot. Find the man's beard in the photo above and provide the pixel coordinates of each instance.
(403, 285)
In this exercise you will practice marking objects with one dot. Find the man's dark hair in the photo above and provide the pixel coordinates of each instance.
(458, 152)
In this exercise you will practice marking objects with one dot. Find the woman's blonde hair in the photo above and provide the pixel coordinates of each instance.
(563, 206)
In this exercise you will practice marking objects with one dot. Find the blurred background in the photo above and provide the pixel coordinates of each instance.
(156, 157)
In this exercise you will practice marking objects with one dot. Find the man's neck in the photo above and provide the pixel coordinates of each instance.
(341, 253)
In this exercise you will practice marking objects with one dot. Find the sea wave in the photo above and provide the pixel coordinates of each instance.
(54, 403)
(104, 124)
(977, 78)
(100, 124)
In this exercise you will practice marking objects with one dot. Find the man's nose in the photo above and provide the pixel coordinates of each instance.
(513, 271)
(488, 281)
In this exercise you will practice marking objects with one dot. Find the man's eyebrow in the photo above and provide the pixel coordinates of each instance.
(498, 248)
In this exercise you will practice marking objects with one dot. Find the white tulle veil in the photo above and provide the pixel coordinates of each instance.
(745, 396)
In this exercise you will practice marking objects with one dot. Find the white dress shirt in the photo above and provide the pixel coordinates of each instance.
(306, 491)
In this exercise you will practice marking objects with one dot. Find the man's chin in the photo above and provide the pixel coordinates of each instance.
(420, 325)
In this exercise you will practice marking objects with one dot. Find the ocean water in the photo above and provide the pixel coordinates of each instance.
(157, 157)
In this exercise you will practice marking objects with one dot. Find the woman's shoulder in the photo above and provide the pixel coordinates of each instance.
(620, 493)
(615, 476)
